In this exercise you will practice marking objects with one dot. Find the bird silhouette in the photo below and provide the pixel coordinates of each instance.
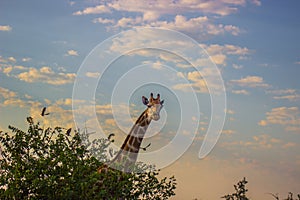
(275, 196)
(145, 148)
(110, 136)
(44, 112)
(111, 152)
(30, 120)
(68, 131)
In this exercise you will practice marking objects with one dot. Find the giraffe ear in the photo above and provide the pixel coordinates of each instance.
(162, 102)
(145, 100)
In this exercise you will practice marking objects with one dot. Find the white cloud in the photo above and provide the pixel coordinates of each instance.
(219, 53)
(11, 98)
(234, 30)
(219, 59)
(26, 59)
(6, 93)
(197, 83)
(201, 81)
(148, 37)
(295, 129)
(150, 16)
(263, 141)
(92, 74)
(58, 117)
(227, 49)
(128, 22)
(198, 26)
(289, 117)
(292, 97)
(68, 102)
(72, 3)
(5, 28)
(157, 65)
(235, 66)
(103, 21)
(250, 81)
(262, 123)
(244, 92)
(18, 102)
(282, 91)
(222, 8)
(8, 69)
(149, 13)
(93, 10)
(229, 111)
(228, 132)
(72, 53)
(283, 116)
(182, 23)
(258, 142)
(285, 94)
(11, 59)
(289, 145)
(110, 122)
(256, 2)
(45, 75)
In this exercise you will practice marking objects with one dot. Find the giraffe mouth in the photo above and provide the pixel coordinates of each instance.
(156, 117)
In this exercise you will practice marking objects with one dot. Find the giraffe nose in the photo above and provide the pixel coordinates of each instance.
(156, 117)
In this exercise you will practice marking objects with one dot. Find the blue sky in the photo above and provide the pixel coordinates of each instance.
(254, 44)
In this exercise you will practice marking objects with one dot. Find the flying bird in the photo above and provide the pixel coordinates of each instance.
(68, 131)
(110, 136)
(30, 120)
(44, 112)
(145, 148)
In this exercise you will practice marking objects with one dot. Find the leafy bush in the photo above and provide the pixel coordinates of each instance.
(240, 191)
(51, 163)
(289, 197)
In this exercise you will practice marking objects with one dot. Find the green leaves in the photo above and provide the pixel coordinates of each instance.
(50, 164)
(240, 191)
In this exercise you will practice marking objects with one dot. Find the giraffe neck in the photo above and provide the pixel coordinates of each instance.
(128, 153)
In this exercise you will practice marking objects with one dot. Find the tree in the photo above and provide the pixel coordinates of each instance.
(50, 164)
(289, 197)
(240, 191)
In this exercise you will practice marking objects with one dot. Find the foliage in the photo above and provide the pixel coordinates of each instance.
(240, 191)
(289, 197)
(54, 164)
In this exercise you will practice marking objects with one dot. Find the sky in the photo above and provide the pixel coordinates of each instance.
(227, 70)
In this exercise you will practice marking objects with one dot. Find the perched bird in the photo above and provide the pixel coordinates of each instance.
(30, 120)
(68, 131)
(44, 112)
(145, 148)
(110, 136)
(275, 196)
(111, 152)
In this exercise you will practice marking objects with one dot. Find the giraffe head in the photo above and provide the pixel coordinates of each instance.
(154, 106)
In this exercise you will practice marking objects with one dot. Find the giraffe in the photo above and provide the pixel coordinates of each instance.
(129, 150)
